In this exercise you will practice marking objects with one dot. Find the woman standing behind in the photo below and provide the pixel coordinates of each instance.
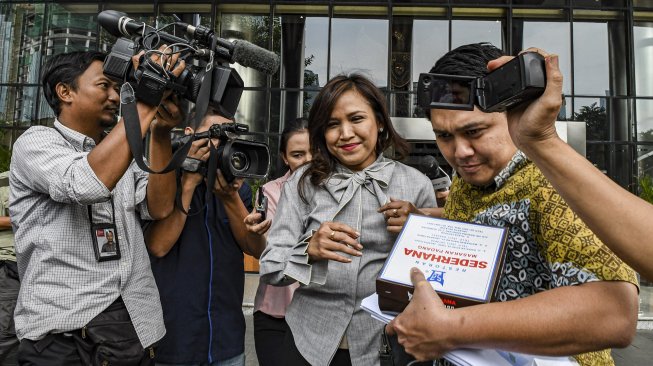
(271, 302)
(331, 239)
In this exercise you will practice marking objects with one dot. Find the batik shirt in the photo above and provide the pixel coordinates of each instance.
(548, 246)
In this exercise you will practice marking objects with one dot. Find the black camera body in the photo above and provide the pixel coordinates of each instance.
(236, 158)
(519, 80)
(150, 81)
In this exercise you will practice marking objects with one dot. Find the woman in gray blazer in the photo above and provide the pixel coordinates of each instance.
(328, 235)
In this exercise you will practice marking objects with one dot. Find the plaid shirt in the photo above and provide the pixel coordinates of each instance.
(62, 285)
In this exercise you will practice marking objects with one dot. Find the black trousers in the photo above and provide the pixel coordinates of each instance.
(269, 335)
(292, 357)
(9, 286)
(82, 347)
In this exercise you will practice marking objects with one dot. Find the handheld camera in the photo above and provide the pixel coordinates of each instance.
(519, 80)
(237, 158)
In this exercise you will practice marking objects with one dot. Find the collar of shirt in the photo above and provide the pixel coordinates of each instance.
(518, 160)
(79, 141)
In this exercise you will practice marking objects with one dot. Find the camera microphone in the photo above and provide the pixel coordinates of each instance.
(245, 53)
(239, 51)
(119, 24)
(430, 167)
(251, 55)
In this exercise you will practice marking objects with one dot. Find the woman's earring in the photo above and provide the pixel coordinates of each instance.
(381, 130)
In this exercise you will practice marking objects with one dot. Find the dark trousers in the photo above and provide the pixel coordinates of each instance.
(269, 335)
(292, 357)
(9, 286)
(91, 346)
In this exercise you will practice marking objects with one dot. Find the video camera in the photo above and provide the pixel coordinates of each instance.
(521, 79)
(207, 80)
(205, 55)
(235, 157)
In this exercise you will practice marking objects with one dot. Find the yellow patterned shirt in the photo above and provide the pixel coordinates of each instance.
(548, 246)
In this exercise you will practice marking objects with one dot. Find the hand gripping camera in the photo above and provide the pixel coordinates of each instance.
(519, 80)
(203, 52)
(235, 157)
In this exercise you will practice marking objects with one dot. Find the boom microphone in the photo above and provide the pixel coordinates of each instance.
(251, 55)
(245, 53)
(119, 24)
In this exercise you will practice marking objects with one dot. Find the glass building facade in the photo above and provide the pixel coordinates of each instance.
(605, 49)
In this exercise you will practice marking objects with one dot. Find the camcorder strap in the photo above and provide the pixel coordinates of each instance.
(202, 102)
(212, 170)
(133, 132)
(201, 107)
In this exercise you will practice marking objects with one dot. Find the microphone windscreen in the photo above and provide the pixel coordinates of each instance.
(251, 55)
(429, 166)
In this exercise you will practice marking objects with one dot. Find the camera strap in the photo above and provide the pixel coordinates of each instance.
(134, 138)
(212, 170)
(202, 101)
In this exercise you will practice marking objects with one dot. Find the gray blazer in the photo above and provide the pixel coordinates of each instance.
(328, 303)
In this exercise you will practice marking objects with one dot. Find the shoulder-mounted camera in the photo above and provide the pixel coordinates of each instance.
(207, 57)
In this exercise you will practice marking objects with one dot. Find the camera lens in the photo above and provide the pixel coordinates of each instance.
(239, 161)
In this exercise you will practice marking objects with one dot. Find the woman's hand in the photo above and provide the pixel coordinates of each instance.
(333, 238)
(396, 213)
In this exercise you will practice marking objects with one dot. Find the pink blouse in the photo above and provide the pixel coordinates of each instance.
(273, 300)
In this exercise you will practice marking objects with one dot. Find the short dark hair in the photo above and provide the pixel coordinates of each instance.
(292, 127)
(65, 68)
(323, 163)
(468, 60)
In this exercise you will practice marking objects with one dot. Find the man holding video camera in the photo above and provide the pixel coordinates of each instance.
(197, 260)
(561, 291)
(70, 183)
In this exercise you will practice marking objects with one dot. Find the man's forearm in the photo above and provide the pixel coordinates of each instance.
(112, 156)
(562, 321)
(163, 234)
(255, 243)
(616, 216)
(161, 188)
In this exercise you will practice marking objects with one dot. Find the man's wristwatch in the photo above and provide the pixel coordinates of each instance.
(193, 165)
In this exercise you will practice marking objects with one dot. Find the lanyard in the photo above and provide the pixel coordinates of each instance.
(113, 212)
